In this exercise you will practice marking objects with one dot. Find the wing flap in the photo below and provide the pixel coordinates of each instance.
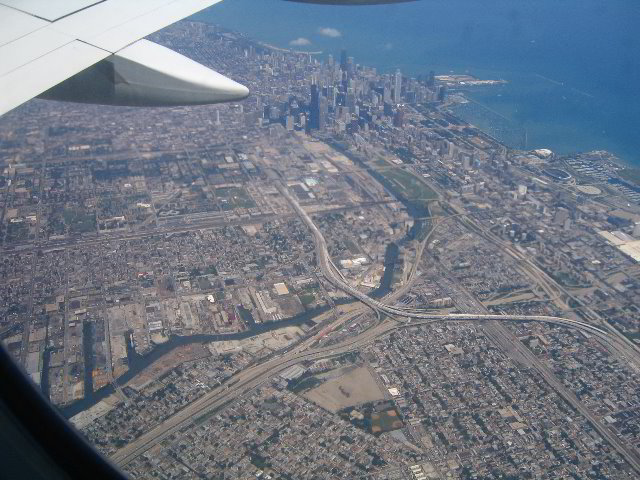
(114, 24)
(48, 70)
(50, 10)
(17, 24)
(126, 33)
(29, 48)
(36, 54)
(44, 42)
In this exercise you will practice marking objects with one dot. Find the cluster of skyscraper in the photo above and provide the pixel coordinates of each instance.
(349, 97)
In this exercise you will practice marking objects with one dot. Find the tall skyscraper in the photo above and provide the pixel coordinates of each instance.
(397, 87)
(398, 119)
(351, 99)
(351, 67)
(386, 95)
(314, 108)
(431, 79)
(343, 60)
(318, 109)
(344, 83)
(323, 112)
(442, 93)
(331, 96)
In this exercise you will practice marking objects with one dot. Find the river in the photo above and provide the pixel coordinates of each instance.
(138, 362)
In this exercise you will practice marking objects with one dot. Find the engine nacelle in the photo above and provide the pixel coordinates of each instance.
(149, 75)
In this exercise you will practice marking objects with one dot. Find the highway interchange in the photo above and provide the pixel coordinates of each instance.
(333, 275)
(399, 317)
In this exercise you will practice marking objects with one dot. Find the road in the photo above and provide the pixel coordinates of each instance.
(495, 331)
(388, 298)
(514, 348)
(250, 378)
(335, 277)
(241, 383)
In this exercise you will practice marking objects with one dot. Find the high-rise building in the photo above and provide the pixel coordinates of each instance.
(344, 82)
(351, 99)
(431, 79)
(331, 96)
(318, 109)
(351, 67)
(442, 93)
(343, 60)
(561, 215)
(398, 119)
(274, 113)
(397, 87)
(314, 108)
(386, 96)
(323, 112)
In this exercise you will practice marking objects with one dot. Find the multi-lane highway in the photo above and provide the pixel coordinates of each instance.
(244, 382)
(495, 331)
(248, 379)
(252, 377)
(335, 277)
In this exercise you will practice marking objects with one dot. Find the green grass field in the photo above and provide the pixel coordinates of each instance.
(412, 187)
(307, 299)
(231, 198)
(79, 221)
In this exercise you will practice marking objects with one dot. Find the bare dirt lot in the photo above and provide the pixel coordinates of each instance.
(353, 388)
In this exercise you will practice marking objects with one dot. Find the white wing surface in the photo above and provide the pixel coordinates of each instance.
(44, 42)
(91, 51)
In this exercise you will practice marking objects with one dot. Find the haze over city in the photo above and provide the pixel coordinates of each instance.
(341, 276)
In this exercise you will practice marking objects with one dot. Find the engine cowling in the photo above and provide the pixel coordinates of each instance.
(150, 75)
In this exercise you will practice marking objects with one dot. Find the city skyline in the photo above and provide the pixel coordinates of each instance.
(334, 278)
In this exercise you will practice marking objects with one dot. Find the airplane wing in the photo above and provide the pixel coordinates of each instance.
(44, 42)
(90, 51)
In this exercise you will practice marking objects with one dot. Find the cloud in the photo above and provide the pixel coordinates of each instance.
(387, 46)
(329, 32)
(300, 42)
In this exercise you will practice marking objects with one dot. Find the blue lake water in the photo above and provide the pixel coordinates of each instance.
(573, 66)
